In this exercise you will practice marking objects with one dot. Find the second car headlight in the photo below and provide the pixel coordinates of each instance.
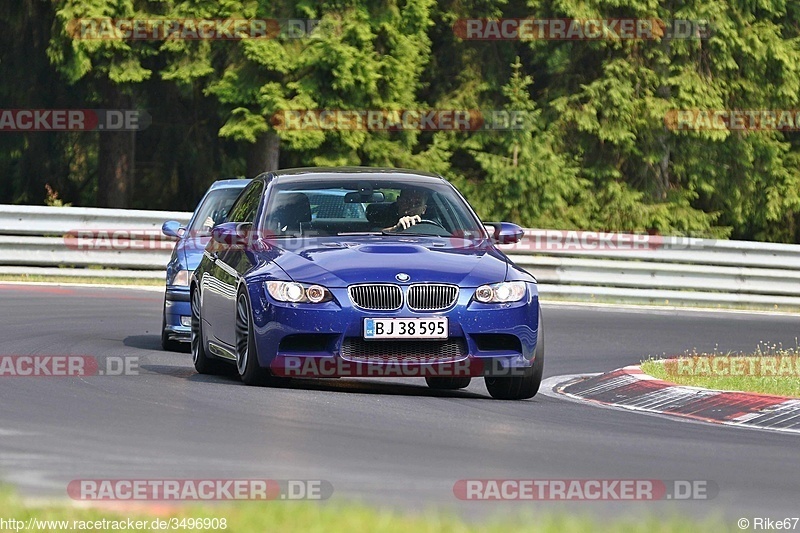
(506, 291)
(181, 278)
(293, 292)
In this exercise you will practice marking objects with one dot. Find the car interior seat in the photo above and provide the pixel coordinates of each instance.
(292, 212)
(382, 215)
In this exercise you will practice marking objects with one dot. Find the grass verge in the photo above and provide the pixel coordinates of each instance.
(304, 517)
(771, 369)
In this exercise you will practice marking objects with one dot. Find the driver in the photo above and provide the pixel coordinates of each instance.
(411, 205)
(217, 216)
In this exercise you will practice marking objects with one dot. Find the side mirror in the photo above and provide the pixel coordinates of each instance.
(172, 228)
(231, 233)
(506, 232)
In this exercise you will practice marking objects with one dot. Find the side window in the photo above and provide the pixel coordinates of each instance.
(244, 210)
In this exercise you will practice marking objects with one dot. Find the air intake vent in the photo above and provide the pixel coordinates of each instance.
(418, 351)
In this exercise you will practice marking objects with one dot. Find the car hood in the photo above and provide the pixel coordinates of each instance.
(339, 264)
(190, 250)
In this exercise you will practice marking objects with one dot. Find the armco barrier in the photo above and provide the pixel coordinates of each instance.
(663, 269)
(668, 269)
(41, 240)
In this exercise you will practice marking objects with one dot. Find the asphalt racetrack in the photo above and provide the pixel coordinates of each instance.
(387, 442)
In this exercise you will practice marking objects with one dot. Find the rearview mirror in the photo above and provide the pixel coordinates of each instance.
(357, 197)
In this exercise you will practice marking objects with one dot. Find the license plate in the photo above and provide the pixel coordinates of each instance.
(405, 328)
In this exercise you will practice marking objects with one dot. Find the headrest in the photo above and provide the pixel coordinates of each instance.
(382, 214)
(291, 209)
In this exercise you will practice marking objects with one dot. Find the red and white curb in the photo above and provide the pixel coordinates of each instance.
(630, 388)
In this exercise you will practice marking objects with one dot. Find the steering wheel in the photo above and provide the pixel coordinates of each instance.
(429, 221)
(410, 229)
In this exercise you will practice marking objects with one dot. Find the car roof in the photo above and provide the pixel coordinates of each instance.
(229, 184)
(291, 175)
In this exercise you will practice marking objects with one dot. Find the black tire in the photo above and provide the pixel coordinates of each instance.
(525, 386)
(247, 364)
(449, 383)
(168, 344)
(203, 362)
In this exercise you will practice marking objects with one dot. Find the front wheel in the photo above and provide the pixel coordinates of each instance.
(525, 386)
(516, 387)
(203, 363)
(247, 365)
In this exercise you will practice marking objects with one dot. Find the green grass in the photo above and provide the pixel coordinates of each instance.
(306, 517)
(771, 369)
(82, 280)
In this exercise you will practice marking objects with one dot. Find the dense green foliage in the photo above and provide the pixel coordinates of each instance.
(595, 154)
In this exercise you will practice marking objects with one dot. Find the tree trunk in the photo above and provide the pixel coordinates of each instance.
(116, 156)
(663, 168)
(263, 154)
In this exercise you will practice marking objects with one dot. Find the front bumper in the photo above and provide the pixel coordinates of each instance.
(326, 340)
(177, 313)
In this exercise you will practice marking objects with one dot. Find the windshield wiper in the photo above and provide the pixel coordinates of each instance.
(397, 234)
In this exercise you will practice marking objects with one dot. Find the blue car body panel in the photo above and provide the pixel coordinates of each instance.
(334, 263)
(275, 321)
(505, 334)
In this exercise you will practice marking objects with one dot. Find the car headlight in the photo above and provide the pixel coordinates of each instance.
(506, 291)
(293, 292)
(181, 278)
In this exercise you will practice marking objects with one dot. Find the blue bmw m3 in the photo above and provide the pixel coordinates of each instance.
(338, 272)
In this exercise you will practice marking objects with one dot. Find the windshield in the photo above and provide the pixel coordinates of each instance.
(337, 207)
(213, 210)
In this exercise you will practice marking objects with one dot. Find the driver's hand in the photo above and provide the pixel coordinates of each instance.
(407, 222)
(208, 223)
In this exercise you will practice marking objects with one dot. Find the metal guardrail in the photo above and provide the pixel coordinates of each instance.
(661, 269)
(42, 240)
(43, 220)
